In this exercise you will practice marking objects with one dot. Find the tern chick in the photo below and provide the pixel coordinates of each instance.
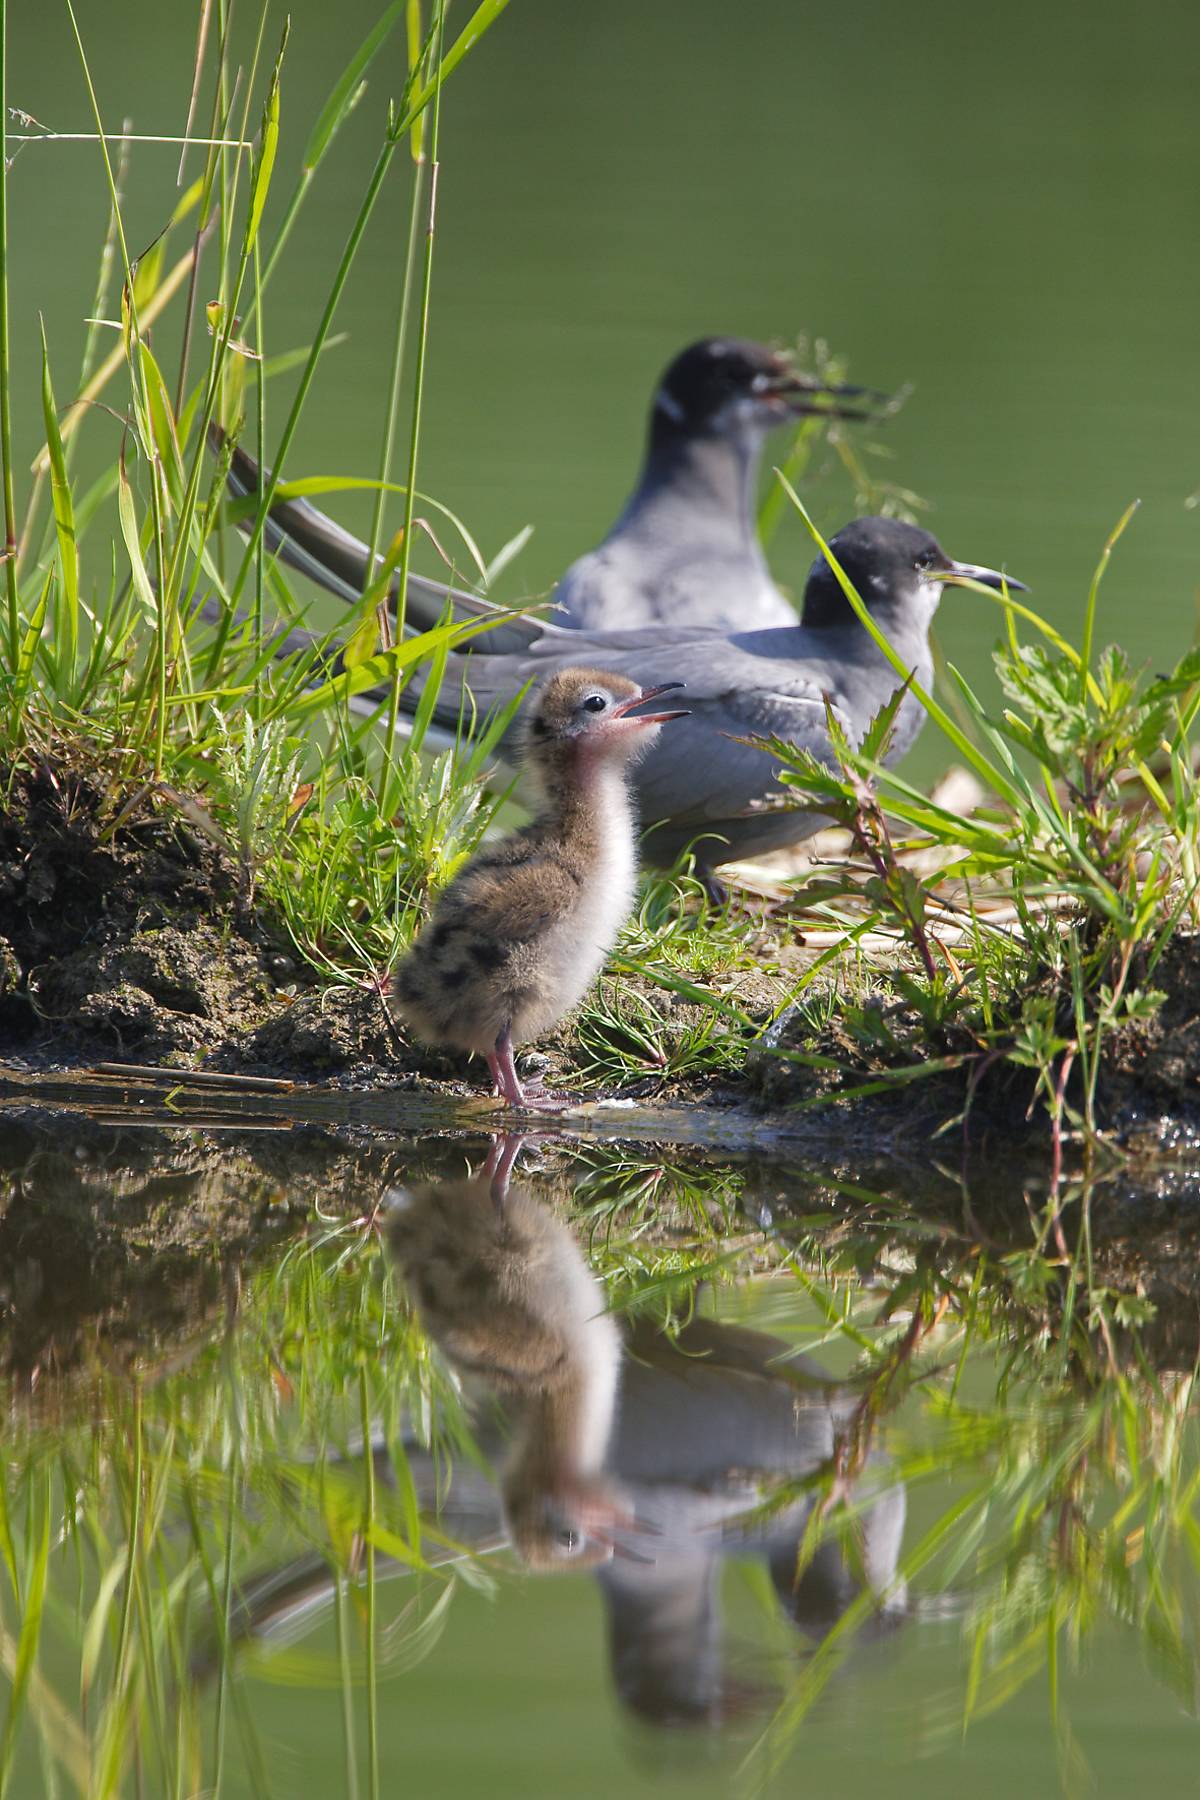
(517, 938)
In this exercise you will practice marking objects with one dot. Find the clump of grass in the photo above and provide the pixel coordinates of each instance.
(1034, 925)
(126, 633)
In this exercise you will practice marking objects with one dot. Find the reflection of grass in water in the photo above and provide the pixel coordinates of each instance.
(186, 1485)
(1072, 1467)
(1010, 1383)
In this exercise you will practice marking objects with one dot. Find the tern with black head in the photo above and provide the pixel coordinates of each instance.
(684, 550)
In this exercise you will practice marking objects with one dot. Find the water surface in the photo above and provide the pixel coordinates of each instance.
(725, 1470)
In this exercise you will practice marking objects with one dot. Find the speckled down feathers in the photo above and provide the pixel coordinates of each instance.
(516, 939)
(478, 962)
(487, 1280)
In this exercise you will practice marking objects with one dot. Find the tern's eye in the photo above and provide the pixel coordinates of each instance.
(568, 1540)
(595, 703)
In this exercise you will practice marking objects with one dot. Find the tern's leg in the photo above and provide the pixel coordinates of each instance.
(506, 1147)
(509, 1084)
(504, 1070)
(715, 891)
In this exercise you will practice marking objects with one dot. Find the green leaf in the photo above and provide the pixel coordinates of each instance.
(265, 160)
(287, 360)
(64, 520)
(93, 1635)
(360, 647)
(162, 423)
(31, 1630)
(879, 732)
(143, 587)
(484, 16)
(370, 673)
(28, 653)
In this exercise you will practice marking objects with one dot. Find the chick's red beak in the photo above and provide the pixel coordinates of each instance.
(651, 693)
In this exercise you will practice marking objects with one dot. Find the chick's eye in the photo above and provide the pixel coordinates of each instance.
(595, 703)
(568, 1539)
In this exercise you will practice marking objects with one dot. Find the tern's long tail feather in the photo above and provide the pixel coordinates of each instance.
(309, 540)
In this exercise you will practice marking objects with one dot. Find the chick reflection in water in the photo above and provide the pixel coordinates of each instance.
(644, 1459)
(501, 1288)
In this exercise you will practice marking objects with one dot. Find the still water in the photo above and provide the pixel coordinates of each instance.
(730, 1475)
(996, 205)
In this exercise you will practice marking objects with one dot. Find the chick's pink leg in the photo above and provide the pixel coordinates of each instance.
(504, 1070)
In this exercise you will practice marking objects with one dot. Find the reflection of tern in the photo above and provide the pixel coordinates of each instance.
(648, 1459)
(710, 1426)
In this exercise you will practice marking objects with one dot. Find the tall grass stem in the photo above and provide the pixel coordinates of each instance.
(418, 395)
(10, 502)
(364, 1395)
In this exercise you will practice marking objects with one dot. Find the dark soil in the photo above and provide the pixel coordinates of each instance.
(1151, 1074)
(116, 938)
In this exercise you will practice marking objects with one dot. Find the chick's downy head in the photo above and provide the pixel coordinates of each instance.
(566, 1525)
(592, 711)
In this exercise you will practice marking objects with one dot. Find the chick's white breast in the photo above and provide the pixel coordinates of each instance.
(575, 948)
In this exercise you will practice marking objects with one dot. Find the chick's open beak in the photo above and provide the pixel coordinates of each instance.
(960, 571)
(650, 693)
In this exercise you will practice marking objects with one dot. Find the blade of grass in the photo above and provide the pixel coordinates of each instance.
(389, 781)
(10, 502)
(387, 446)
(1089, 617)
(368, 1528)
(342, 99)
(399, 125)
(67, 616)
(30, 1633)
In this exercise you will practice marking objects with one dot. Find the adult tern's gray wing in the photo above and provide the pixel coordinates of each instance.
(633, 582)
(721, 798)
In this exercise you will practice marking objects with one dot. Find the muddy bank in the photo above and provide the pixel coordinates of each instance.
(117, 935)
(122, 938)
